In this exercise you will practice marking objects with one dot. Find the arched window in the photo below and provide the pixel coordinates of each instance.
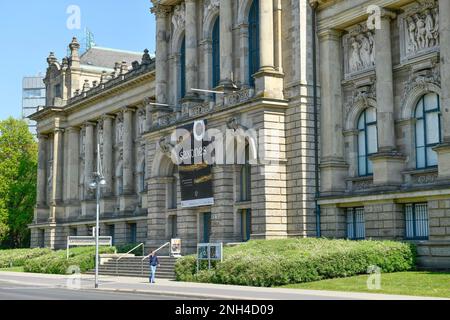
(367, 140)
(253, 38)
(245, 177)
(183, 69)
(428, 130)
(216, 53)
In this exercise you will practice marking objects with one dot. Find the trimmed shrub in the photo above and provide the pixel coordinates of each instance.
(57, 262)
(269, 263)
(18, 257)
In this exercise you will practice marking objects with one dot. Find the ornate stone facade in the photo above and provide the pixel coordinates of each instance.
(389, 69)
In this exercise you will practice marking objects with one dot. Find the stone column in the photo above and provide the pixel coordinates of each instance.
(226, 42)
(385, 86)
(57, 174)
(191, 47)
(58, 165)
(42, 172)
(266, 36)
(128, 163)
(243, 44)
(161, 13)
(334, 170)
(443, 150)
(387, 163)
(278, 36)
(108, 154)
(88, 156)
(268, 81)
(73, 164)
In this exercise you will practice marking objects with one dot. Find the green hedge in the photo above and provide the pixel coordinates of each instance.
(18, 257)
(269, 263)
(56, 262)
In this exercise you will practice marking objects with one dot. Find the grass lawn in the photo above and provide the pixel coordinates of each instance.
(13, 269)
(427, 284)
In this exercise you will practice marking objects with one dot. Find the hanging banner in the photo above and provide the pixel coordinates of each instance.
(195, 174)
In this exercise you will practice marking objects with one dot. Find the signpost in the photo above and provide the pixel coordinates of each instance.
(209, 252)
(87, 241)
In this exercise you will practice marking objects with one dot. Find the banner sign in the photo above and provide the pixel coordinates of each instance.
(195, 174)
(88, 241)
(175, 247)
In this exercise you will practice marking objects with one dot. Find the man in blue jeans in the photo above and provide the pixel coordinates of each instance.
(153, 259)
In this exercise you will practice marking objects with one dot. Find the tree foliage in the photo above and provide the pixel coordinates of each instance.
(18, 175)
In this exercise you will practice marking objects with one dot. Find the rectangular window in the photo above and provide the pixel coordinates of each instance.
(356, 228)
(41, 238)
(246, 224)
(73, 232)
(132, 233)
(111, 232)
(173, 227)
(416, 218)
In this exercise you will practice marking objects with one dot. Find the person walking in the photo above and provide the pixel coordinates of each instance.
(154, 263)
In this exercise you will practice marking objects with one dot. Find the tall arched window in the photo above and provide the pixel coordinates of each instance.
(428, 130)
(183, 69)
(253, 39)
(367, 140)
(216, 53)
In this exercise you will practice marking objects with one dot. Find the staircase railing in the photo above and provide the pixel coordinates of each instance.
(126, 254)
(146, 257)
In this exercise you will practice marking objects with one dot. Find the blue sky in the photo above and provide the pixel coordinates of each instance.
(30, 29)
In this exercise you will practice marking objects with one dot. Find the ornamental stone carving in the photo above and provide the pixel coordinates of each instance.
(419, 29)
(359, 50)
(142, 119)
(178, 18)
(210, 6)
(119, 128)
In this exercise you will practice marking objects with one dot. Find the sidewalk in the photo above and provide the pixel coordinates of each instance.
(193, 291)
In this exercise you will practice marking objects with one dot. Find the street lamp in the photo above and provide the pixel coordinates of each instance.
(97, 183)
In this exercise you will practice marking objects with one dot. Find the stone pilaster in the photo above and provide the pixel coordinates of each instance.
(156, 220)
(108, 154)
(57, 174)
(128, 159)
(223, 211)
(387, 163)
(268, 81)
(162, 37)
(88, 158)
(443, 150)
(334, 170)
(226, 43)
(191, 47)
(73, 164)
(42, 171)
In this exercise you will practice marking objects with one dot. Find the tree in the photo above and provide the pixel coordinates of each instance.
(18, 175)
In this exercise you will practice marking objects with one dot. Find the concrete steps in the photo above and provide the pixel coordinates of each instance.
(131, 266)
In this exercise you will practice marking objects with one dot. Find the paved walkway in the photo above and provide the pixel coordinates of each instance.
(187, 290)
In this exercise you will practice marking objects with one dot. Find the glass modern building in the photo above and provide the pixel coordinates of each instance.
(33, 96)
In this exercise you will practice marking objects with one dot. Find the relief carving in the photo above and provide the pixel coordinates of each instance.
(359, 50)
(419, 29)
(178, 18)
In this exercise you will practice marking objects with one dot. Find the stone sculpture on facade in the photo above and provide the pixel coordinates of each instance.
(420, 23)
(178, 18)
(360, 49)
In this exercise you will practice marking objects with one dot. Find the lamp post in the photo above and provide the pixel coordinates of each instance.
(97, 183)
